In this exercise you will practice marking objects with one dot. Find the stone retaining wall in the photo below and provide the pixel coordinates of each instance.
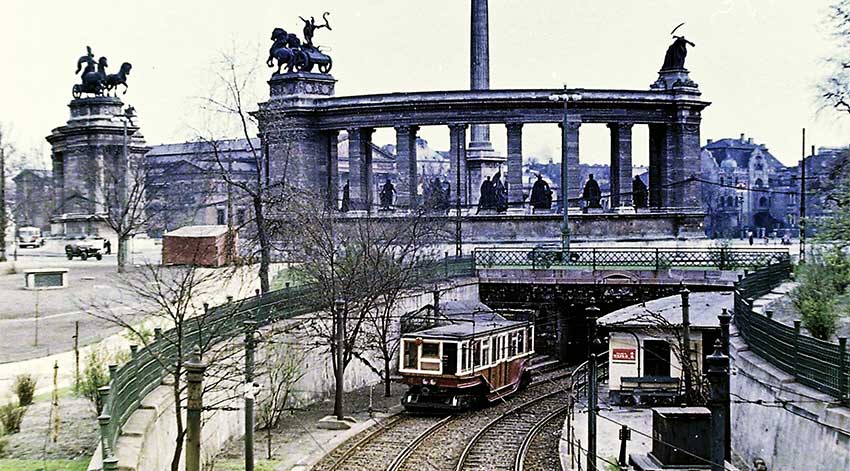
(806, 434)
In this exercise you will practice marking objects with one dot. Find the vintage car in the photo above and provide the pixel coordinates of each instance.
(30, 237)
(84, 247)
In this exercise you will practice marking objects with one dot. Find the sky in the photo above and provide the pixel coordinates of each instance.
(756, 61)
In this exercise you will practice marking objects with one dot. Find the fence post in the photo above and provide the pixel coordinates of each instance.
(594, 258)
(446, 262)
(134, 360)
(194, 404)
(657, 260)
(843, 394)
(796, 348)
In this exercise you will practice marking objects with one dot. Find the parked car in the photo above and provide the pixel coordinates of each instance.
(84, 247)
(30, 237)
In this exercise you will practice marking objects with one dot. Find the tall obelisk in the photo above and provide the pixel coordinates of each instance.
(481, 159)
(479, 72)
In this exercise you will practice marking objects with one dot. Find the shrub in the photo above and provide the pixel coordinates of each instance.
(24, 388)
(11, 417)
(816, 297)
(4, 443)
(95, 376)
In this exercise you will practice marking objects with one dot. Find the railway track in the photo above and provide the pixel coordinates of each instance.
(519, 431)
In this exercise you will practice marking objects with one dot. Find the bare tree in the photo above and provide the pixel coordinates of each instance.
(171, 296)
(229, 101)
(834, 91)
(280, 369)
(7, 150)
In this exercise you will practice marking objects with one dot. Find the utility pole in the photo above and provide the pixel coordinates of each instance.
(592, 316)
(565, 193)
(718, 374)
(725, 319)
(802, 223)
(250, 325)
(458, 222)
(76, 356)
(339, 309)
(3, 221)
(194, 405)
(686, 340)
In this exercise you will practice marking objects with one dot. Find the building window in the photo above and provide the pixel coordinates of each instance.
(240, 216)
(730, 201)
(219, 217)
(759, 183)
(763, 202)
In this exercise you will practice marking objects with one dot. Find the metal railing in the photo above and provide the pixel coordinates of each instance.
(640, 258)
(815, 363)
(149, 366)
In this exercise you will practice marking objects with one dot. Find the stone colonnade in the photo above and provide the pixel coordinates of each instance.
(301, 148)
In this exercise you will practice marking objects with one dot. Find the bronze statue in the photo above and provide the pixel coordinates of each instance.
(487, 198)
(87, 59)
(346, 198)
(500, 193)
(310, 27)
(675, 57)
(387, 193)
(639, 193)
(93, 81)
(285, 49)
(592, 195)
(113, 80)
(541, 194)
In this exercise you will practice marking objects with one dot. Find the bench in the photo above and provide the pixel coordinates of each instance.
(646, 390)
(45, 278)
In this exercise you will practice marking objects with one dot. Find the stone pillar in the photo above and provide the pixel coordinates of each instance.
(332, 169)
(479, 73)
(360, 168)
(406, 167)
(621, 164)
(686, 191)
(514, 179)
(658, 165)
(458, 176)
(570, 177)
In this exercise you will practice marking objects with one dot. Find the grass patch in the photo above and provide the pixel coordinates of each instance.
(46, 465)
(238, 465)
(284, 276)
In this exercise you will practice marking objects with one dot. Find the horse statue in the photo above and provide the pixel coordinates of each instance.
(113, 80)
(284, 49)
(92, 81)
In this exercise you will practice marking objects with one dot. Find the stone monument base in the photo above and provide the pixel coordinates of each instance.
(674, 79)
(301, 84)
(330, 422)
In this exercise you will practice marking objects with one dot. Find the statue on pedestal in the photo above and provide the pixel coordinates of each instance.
(639, 193)
(310, 27)
(674, 59)
(500, 193)
(487, 199)
(288, 49)
(96, 82)
(541, 194)
(592, 195)
(346, 198)
(386, 195)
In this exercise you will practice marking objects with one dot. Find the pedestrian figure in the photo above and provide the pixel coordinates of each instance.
(485, 201)
(750, 235)
(107, 245)
(541, 194)
(387, 193)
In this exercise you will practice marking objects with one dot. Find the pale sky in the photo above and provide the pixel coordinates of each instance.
(757, 61)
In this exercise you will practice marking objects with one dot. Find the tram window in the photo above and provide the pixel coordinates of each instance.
(530, 338)
(497, 348)
(512, 344)
(464, 357)
(476, 353)
(430, 350)
(520, 343)
(411, 355)
(485, 352)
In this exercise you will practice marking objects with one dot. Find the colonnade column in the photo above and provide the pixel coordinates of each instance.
(687, 165)
(658, 165)
(360, 168)
(570, 178)
(621, 165)
(332, 169)
(406, 166)
(515, 164)
(457, 162)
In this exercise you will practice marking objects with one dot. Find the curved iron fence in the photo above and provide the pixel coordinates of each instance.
(816, 363)
(628, 258)
(148, 366)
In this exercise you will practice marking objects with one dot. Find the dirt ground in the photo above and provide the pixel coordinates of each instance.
(78, 431)
(298, 435)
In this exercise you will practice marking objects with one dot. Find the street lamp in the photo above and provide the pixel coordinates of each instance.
(565, 225)
(127, 119)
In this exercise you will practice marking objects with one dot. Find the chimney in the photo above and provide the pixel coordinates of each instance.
(709, 141)
(742, 137)
(749, 140)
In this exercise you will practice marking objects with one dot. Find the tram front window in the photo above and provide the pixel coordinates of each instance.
(430, 350)
(411, 355)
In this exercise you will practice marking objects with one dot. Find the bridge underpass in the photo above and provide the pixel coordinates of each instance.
(555, 288)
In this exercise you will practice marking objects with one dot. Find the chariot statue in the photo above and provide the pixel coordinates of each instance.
(287, 49)
(94, 79)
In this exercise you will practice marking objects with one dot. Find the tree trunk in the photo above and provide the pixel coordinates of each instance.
(181, 433)
(122, 252)
(265, 245)
(2, 204)
(387, 391)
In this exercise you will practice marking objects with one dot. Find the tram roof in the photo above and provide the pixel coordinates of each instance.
(462, 325)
